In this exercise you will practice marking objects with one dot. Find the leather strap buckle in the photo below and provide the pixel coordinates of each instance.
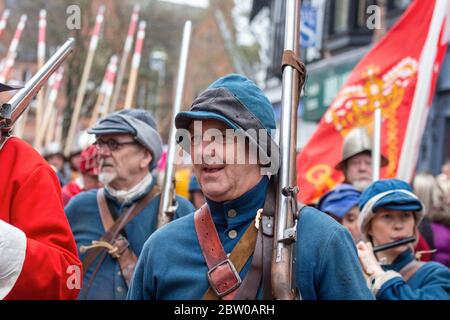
(224, 278)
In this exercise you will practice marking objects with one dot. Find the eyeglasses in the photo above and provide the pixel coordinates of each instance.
(112, 144)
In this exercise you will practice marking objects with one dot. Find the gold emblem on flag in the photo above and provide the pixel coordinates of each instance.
(355, 104)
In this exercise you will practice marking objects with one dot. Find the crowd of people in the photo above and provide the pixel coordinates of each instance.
(97, 212)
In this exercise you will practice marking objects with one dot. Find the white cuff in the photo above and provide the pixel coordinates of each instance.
(376, 282)
(13, 245)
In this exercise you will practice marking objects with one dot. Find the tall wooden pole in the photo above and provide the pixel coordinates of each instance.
(8, 62)
(105, 91)
(53, 125)
(4, 20)
(46, 122)
(84, 79)
(41, 95)
(129, 98)
(124, 59)
(7, 65)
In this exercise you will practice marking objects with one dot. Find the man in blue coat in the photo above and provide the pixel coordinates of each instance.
(179, 265)
(128, 146)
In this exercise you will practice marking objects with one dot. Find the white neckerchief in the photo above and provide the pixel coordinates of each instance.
(125, 196)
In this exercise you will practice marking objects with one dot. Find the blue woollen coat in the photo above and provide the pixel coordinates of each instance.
(430, 282)
(172, 266)
(84, 218)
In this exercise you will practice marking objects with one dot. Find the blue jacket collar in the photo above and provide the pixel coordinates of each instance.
(402, 260)
(245, 206)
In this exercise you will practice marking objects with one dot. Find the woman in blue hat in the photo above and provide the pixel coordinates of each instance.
(391, 212)
(341, 203)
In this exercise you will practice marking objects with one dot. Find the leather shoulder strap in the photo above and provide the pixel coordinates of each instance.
(105, 213)
(112, 231)
(222, 275)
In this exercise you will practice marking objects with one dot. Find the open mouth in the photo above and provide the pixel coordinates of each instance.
(212, 169)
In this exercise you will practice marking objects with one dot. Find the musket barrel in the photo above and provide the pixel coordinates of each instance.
(282, 262)
(166, 197)
(19, 102)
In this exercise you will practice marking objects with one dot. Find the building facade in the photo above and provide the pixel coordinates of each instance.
(345, 39)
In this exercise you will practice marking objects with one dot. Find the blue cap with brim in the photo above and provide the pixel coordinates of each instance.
(136, 122)
(185, 118)
(398, 201)
(391, 194)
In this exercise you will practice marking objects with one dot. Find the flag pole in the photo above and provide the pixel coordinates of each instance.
(124, 59)
(135, 65)
(84, 78)
(376, 148)
(420, 108)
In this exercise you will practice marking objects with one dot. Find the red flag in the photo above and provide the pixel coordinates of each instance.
(406, 60)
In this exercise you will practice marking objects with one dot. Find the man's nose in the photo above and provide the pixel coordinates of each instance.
(103, 151)
(365, 166)
(207, 148)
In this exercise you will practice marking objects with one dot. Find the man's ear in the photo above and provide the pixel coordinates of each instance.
(146, 160)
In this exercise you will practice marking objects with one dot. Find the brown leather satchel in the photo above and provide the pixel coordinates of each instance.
(112, 242)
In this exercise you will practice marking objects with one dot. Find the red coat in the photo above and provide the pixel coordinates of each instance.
(30, 200)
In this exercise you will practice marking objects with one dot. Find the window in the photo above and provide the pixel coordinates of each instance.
(361, 14)
(398, 4)
(341, 14)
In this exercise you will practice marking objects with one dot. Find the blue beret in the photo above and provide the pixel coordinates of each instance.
(340, 200)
